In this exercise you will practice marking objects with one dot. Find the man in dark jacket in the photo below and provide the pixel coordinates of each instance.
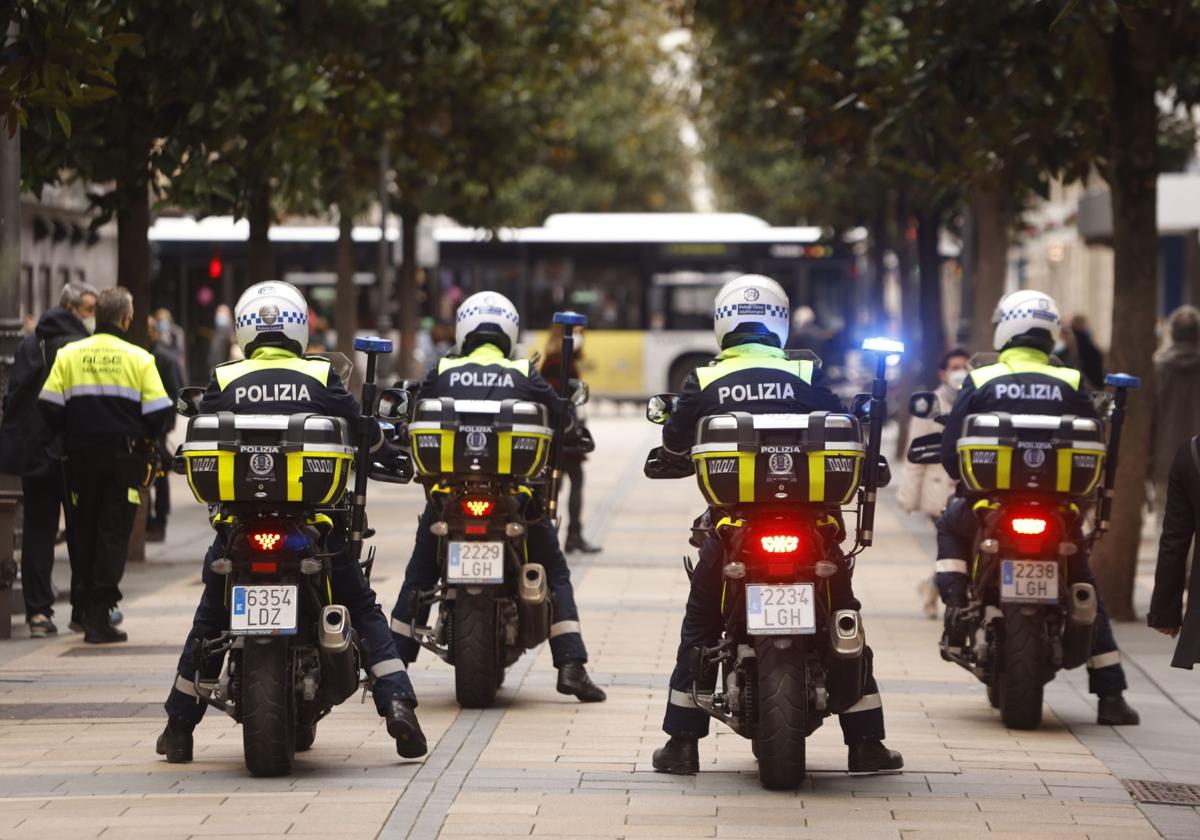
(1176, 391)
(1180, 525)
(29, 449)
(171, 375)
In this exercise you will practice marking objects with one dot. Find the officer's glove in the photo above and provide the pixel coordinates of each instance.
(578, 440)
(392, 464)
(960, 624)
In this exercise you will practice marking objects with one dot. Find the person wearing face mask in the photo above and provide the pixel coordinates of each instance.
(30, 449)
(925, 488)
(105, 397)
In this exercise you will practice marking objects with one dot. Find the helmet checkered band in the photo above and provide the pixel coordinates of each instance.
(764, 309)
(251, 319)
(468, 311)
(1029, 312)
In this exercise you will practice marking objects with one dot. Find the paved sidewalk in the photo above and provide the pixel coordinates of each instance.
(77, 724)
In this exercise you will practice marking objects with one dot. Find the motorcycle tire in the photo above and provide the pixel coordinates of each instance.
(478, 663)
(779, 721)
(1022, 679)
(268, 707)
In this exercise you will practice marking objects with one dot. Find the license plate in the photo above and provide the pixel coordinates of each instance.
(475, 562)
(774, 609)
(1034, 581)
(263, 611)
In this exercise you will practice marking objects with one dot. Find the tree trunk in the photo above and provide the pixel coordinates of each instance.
(878, 244)
(989, 207)
(133, 248)
(409, 217)
(260, 262)
(346, 309)
(1133, 178)
(932, 317)
(909, 314)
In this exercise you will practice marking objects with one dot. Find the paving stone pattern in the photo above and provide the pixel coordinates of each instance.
(77, 725)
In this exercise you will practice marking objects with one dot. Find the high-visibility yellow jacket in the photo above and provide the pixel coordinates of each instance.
(102, 387)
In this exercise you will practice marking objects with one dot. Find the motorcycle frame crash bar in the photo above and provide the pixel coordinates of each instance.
(882, 347)
(569, 321)
(373, 347)
(1123, 383)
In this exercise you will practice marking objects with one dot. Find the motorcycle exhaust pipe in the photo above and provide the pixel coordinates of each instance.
(532, 587)
(846, 634)
(333, 635)
(337, 655)
(1084, 606)
(533, 606)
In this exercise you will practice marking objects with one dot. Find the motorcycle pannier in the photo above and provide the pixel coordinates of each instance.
(1031, 453)
(744, 457)
(298, 458)
(480, 437)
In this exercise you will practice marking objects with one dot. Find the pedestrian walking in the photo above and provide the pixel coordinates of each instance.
(925, 488)
(105, 397)
(578, 442)
(172, 337)
(29, 448)
(1176, 392)
(1181, 523)
(171, 375)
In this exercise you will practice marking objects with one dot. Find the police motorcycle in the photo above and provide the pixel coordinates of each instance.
(486, 465)
(275, 485)
(786, 660)
(1033, 478)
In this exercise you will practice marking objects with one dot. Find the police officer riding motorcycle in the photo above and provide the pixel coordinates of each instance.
(484, 496)
(778, 682)
(306, 399)
(1013, 423)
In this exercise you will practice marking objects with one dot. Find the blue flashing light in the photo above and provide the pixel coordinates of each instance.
(570, 319)
(373, 344)
(883, 345)
(1123, 380)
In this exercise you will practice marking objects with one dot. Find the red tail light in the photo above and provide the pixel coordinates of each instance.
(264, 567)
(1029, 526)
(478, 507)
(779, 543)
(266, 540)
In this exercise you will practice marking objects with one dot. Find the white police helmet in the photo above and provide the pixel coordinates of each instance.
(1027, 317)
(752, 305)
(488, 314)
(271, 313)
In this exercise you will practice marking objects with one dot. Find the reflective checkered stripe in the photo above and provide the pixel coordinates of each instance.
(485, 310)
(285, 316)
(767, 310)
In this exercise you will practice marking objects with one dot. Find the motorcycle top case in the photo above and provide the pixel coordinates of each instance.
(1031, 453)
(300, 458)
(743, 458)
(480, 437)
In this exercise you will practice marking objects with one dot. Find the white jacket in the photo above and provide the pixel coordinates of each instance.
(927, 487)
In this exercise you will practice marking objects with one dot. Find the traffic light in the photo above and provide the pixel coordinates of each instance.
(215, 267)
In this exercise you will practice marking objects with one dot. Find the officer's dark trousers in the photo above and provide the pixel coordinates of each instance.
(424, 570)
(956, 529)
(42, 501)
(101, 513)
(350, 589)
(702, 625)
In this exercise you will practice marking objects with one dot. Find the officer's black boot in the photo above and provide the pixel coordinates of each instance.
(403, 726)
(573, 679)
(98, 628)
(1114, 711)
(873, 756)
(679, 756)
(175, 743)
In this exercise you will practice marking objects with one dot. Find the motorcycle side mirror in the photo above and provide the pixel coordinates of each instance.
(923, 404)
(860, 407)
(926, 449)
(393, 404)
(660, 407)
(1103, 402)
(187, 404)
(580, 393)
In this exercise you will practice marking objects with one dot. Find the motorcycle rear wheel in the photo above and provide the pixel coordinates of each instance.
(268, 707)
(779, 721)
(478, 663)
(1021, 682)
